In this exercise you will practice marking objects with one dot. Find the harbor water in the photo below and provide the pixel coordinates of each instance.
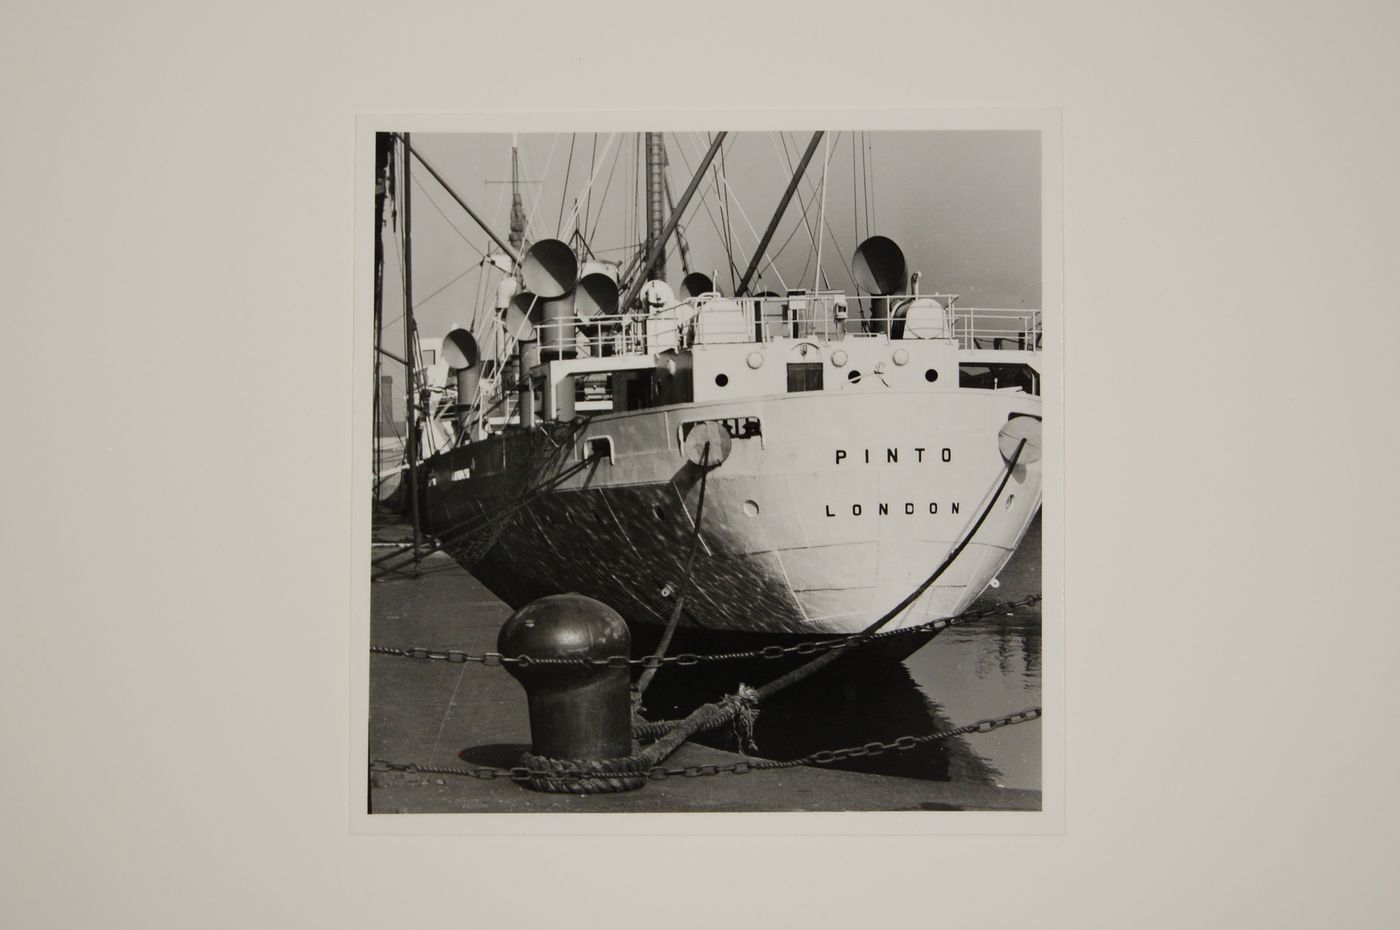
(985, 668)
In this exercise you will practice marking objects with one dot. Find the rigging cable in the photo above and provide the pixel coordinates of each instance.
(588, 188)
(821, 212)
(803, 205)
(830, 233)
(756, 237)
(647, 674)
(712, 186)
(458, 531)
(727, 214)
(446, 219)
(863, 232)
(617, 156)
(564, 197)
(871, 219)
(453, 280)
(588, 204)
(532, 210)
(855, 202)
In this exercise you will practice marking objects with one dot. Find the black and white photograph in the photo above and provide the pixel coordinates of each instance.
(626, 464)
(708, 470)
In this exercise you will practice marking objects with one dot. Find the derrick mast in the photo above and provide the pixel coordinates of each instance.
(656, 212)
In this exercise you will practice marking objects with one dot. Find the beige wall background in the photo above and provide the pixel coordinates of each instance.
(177, 251)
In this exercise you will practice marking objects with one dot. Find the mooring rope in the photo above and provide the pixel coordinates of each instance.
(650, 672)
(456, 531)
(588, 776)
(609, 775)
(797, 674)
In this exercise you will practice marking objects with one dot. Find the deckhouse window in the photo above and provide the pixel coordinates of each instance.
(996, 376)
(804, 376)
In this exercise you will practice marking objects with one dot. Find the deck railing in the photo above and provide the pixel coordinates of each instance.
(826, 315)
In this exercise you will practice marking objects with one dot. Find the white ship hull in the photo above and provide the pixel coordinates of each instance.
(844, 504)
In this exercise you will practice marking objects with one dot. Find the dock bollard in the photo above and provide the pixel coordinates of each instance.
(578, 713)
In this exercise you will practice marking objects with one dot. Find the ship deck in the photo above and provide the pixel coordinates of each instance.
(441, 714)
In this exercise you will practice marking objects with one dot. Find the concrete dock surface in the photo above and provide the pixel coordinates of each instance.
(442, 714)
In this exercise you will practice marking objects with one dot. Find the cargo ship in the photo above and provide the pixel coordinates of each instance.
(819, 451)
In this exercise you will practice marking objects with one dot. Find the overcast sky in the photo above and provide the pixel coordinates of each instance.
(963, 205)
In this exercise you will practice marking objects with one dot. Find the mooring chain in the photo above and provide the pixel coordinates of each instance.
(520, 773)
(684, 659)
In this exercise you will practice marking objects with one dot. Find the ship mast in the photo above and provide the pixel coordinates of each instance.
(656, 211)
(656, 250)
(517, 206)
(383, 178)
(411, 382)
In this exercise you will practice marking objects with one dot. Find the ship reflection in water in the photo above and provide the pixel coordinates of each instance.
(985, 669)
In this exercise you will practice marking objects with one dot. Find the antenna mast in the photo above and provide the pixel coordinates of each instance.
(517, 206)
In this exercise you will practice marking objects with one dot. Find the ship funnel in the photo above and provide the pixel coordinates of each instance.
(695, 284)
(549, 269)
(878, 266)
(597, 292)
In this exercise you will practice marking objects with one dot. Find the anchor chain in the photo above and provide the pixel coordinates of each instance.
(687, 659)
(520, 773)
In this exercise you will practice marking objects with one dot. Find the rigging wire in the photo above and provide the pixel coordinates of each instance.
(637, 189)
(802, 223)
(446, 219)
(864, 185)
(588, 188)
(756, 237)
(870, 219)
(564, 196)
(826, 225)
(617, 157)
(704, 197)
(821, 212)
(727, 214)
(480, 299)
(588, 203)
(454, 279)
(855, 200)
(532, 209)
(479, 309)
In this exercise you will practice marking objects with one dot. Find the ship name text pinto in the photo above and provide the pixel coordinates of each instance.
(917, 455)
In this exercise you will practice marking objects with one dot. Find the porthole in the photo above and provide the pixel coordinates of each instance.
(853, 377)
(751, 508)
(660, 512)
(721, 379)
(930, 376)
